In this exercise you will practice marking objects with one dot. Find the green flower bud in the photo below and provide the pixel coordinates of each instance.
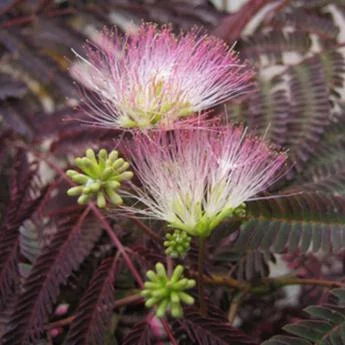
(101, 200)
(113, 156)
(74, 191)
(166, 293)
(177, 243)
(240, 211)
(83, 199)
(176, 310)
(100, 177)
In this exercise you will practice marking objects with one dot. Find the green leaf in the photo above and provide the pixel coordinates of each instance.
(308, 221)
(326, 313)
(327, 161)
(267, 110)
(326, 326)
(284, 340)
(310, 330)
(310, 109)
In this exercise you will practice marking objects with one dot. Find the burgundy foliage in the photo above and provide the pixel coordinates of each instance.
(54, 252)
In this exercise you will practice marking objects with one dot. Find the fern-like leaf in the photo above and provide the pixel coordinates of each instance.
(141, 334)
(274, 44)
(210, 330)
(25, 197)
(326, 325)
(248, 264)
(96, 307)
(310, 110)
(326, 183)
(305, 221)
(268, 111)
(328, 159)
(68, 248)
(322, 26)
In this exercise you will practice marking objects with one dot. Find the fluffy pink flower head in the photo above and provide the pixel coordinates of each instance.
(193, 179)
(155, 77)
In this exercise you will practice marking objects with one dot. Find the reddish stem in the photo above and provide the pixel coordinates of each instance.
(275, 12)
(117, 243)
(169, 332)
(146, 229)
(231, 27)
(9, 7)
(170, 265)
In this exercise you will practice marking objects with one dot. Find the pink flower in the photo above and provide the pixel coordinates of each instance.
(193, 179)
(155, 77)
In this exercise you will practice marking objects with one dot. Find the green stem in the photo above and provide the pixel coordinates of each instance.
(201, 258)
(235, 305)
(269, 284)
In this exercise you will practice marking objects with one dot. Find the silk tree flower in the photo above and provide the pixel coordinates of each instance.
(193, 179)
(156, 77)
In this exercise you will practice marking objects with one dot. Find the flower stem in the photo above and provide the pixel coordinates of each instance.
(169, 333)
(201, 258)
(117, 243)
(146, 229)
(170, 266)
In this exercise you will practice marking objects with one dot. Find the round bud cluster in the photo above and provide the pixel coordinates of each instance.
(177, 243)
(166, 293)
(101, 177)
(240, 211)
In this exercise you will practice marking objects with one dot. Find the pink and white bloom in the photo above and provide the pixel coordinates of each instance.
(155, 77)
(193, 179)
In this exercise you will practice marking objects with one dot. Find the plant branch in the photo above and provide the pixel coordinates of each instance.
(201, 259)
(146, 229)
(232, 26)
(226, 281)
(132, 299)
(285, 281)
(235, 304)
(169, 332)
(170, 265)
(117, 243)
(268, 284)
(275, 12)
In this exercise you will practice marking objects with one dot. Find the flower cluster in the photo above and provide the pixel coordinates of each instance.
(101, 177)
(177, 243)
(154, 77)
(165, 292)
(191, 177)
